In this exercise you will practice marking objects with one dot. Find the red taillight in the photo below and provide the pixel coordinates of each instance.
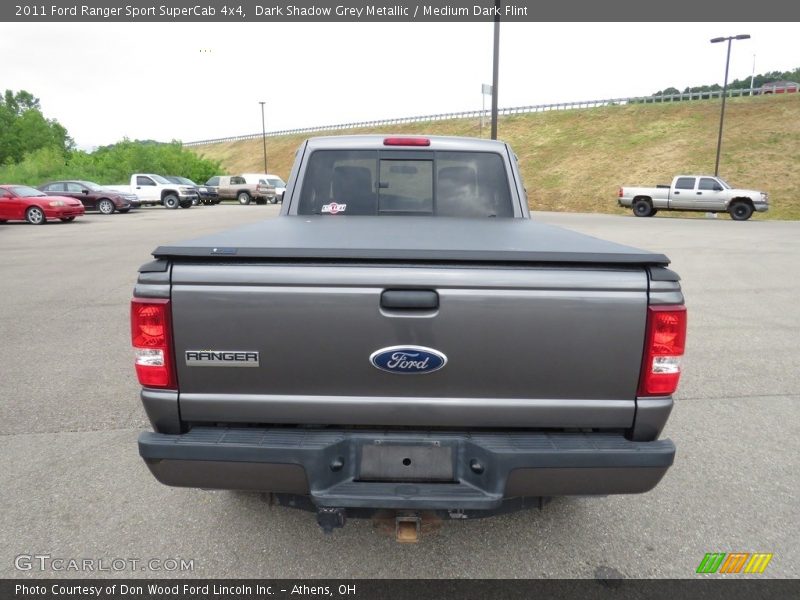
(406, 141)
(620, 193)
(151, 336)
(665, 342)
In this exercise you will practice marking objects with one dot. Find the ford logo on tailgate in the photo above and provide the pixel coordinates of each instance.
(408, 359)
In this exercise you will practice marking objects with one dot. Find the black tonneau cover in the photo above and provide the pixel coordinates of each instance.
(408, 238)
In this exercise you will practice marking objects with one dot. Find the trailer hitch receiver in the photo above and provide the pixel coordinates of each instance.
(331, 518)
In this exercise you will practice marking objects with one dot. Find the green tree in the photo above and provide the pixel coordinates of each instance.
(24, 129)
(109, 164)
(21, 101)
(738, 84)
(115, 163)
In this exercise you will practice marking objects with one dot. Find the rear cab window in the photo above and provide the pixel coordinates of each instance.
(391, 182)
(684, 183)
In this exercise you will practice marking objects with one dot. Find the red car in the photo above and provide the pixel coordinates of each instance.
(24, 203)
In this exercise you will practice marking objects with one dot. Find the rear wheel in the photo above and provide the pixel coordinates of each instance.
(171, 201)
(35, 216)
(740, 211)
(106, 206)
(273, 200)
(642, 208)
(243, 198)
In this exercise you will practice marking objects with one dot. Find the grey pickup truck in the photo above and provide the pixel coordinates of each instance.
(404, 337)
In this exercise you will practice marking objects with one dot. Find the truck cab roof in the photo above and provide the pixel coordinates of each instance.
(406, 142)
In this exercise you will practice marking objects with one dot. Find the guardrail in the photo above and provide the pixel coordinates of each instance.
(514, 110)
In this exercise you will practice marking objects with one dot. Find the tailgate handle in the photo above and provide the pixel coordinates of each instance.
(410, 299)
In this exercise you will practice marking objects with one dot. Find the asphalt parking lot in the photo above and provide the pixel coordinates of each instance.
(73, 485)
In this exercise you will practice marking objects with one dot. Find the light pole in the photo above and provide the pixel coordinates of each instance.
(725, 89)
(264, 135)
(495, 67)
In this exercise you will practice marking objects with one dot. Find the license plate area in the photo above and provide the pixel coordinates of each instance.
(406, 462)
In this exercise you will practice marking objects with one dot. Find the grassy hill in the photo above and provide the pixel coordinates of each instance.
(576, 160)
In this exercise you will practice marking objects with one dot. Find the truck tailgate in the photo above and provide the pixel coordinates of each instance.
(527, 345)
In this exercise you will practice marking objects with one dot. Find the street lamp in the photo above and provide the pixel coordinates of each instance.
(725, 89)
(264, 135)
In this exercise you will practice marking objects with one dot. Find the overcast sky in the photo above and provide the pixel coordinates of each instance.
(165, 81)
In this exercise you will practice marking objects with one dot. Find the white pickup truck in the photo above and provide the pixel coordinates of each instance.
(155, 189)
(694, 192)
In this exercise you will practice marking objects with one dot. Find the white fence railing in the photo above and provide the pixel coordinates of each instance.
(515, 110)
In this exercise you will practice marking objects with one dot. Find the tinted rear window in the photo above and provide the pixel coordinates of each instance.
(369, 182)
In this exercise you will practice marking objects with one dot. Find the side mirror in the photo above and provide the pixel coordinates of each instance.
(85, 191)
(717, 187)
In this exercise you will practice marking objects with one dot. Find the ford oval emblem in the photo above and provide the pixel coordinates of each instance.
(408, 360)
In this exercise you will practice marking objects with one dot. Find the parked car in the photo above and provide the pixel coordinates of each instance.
(694, 192)
(93, 196)
(155, 189)
(237, 187)
(24, 203)
(205, 194)
(780, 87)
